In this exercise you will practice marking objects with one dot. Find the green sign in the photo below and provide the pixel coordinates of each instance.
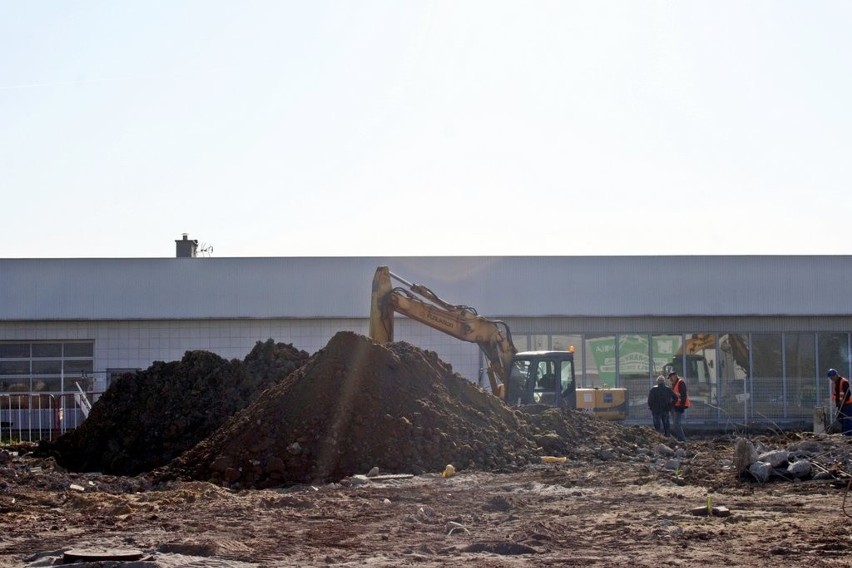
(634, 356)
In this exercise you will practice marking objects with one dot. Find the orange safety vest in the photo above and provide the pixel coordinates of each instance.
(676, 388)
(841, 391)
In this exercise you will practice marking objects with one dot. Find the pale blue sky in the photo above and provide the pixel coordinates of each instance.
(315, 128)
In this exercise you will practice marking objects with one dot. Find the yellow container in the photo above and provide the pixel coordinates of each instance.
(606, 403)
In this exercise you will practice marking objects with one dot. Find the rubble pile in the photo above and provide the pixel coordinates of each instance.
(282, 417)
(815, 458)
(580, 435)
(145, 420)
(356, 405)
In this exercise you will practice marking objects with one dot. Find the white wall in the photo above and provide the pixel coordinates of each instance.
(137, 344)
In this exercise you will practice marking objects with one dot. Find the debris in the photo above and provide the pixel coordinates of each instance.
(454, 526)
(391, 477)
(101, 555)
(712, 511)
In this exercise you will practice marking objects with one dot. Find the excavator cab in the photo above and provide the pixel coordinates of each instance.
(542, 377)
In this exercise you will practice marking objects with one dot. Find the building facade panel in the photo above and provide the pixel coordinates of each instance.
(211, 288)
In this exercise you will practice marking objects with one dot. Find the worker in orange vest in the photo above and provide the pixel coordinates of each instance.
(842, 398)
(681, 403)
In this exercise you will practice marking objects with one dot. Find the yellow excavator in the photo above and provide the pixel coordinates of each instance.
(531, 377)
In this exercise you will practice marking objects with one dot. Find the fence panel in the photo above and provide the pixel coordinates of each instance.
(35, 416)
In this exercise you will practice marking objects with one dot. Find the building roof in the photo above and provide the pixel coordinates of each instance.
(339, 287)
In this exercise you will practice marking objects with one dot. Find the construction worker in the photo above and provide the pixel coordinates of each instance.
(842, 398)
(660, 400)
(681, 403)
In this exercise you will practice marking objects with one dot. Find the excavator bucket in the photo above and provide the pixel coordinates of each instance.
(381, 312)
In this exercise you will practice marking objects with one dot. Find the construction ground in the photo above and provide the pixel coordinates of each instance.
(341, 458)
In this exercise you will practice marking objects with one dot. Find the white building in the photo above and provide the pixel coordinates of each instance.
(753, 335)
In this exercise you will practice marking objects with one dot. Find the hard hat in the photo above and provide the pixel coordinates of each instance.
(831, 373)
(672, 373)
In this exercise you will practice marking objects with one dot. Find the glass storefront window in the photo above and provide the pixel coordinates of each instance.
(801, 374)
(45, 384)
(634, 372)
(696, 362)
(634, 357)
(833, 353)
(737, 377)
(44, 365)
(767, 366)
(564, 342)
(733, 369)
(14, 367)
(665, 351)
(600, 361)
(14, 350)
(540, 343)
(47, 350)
(75, 369)
(47, 367)
(79, 349)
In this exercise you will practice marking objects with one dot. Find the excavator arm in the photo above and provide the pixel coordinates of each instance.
(462, 322)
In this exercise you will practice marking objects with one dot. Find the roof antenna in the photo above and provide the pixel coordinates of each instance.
(206, 250)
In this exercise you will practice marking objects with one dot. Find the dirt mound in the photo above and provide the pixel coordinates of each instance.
(143, 421)
(579, 435)
(356, 405)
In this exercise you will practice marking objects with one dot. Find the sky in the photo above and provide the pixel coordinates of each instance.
(419, 128)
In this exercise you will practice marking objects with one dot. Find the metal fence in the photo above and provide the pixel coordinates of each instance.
(35, 416)
(753, 404)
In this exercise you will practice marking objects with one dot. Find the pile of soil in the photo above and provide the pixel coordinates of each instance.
(145, 420)
(356, 405)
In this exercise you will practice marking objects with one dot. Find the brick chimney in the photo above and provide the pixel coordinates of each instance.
(186, 248)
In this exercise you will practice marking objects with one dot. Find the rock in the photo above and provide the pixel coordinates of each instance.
(799, 469)
(744, 455)
(760, 471)
(356, 480)
(775, 458)
(607, 455)
(664, 450)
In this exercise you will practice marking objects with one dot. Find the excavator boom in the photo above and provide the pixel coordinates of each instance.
(462, 322)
